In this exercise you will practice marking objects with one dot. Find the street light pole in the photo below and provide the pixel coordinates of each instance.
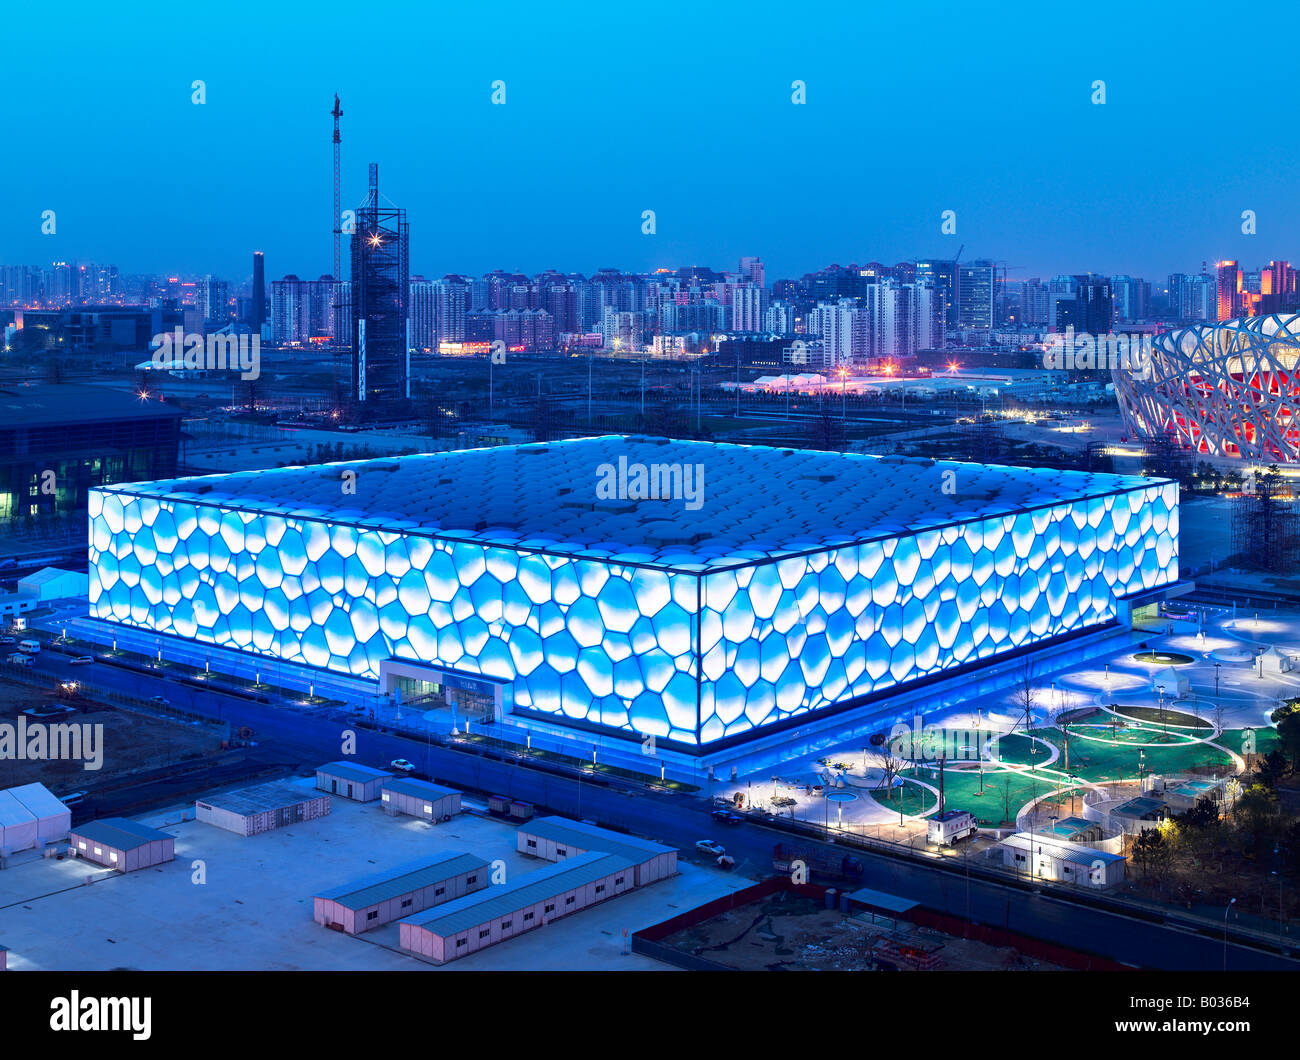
(1226, 910)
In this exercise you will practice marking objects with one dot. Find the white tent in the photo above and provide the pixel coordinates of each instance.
(53, 819)
(1174, 683)
(17, 825)
(1274, 662)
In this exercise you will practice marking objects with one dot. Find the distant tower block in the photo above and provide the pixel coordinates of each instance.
(381, 277)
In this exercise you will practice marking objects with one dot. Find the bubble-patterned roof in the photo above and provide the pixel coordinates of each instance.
(756, 502)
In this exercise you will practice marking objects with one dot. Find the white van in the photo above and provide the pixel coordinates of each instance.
(31, 647)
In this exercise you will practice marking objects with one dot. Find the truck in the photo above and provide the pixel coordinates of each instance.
(816, 859)
(504, 806)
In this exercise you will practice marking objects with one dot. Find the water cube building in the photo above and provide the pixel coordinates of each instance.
(703, 594)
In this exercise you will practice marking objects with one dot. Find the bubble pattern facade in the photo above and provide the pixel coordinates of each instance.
(692, 653)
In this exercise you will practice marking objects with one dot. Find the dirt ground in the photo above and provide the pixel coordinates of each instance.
(786, 932)
(129, 742)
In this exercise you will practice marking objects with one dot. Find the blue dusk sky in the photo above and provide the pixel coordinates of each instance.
(616, 108)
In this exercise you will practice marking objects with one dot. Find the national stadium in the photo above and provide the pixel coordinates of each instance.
(702, 594)
(1224, 390)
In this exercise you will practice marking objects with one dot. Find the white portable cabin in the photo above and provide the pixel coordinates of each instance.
(557, 838)
(351, 780)
(530, 900)
(419, 798)
(1053, 859)
(403, 890)
(122, 844)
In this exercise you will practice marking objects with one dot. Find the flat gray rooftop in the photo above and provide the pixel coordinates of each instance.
(420, 788)
(119, 833)
(401, 879)
(260, 798)
(593, 837)
(256, 911)
(461, 914)
(352, 771)
(58, 403)
(755, 502)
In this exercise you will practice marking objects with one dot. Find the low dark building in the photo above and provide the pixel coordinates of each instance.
(100, 330)
(58, 441)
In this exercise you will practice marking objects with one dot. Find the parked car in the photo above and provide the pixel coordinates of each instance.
(402, 764)
(81, 660)
(73, 799)
(727, 817)
(7, 642)
(708, 846)
(877, 738)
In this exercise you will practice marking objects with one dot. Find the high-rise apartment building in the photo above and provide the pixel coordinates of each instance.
(944, 276)
(977, 295)
(1228, 290)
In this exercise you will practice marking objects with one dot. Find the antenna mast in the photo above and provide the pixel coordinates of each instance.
(338, 216)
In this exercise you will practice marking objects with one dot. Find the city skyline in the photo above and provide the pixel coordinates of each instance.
(1008, 137)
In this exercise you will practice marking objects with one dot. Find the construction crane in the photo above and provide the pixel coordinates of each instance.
(338, 216)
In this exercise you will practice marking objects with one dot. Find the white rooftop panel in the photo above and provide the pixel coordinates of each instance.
(753, 501)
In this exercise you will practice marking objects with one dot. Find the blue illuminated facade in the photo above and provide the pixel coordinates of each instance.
(798, 583)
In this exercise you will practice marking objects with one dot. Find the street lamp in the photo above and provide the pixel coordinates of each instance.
(1281, 919)
(1226, 910)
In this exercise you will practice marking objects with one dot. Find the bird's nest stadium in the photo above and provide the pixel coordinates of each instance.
(1227, 389)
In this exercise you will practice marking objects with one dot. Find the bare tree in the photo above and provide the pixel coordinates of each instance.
(891, 765)
(1025, 696)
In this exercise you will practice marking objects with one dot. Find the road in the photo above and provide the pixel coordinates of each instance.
(309, 737)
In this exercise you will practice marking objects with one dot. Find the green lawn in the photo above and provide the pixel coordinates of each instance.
(1015, 748)
(961, 792)
(1103, 761)
(1132, 735)
(1152, 715)
(906, 798)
